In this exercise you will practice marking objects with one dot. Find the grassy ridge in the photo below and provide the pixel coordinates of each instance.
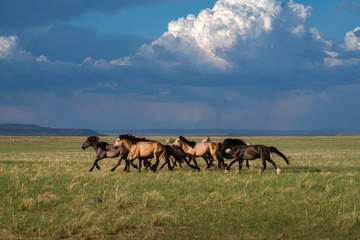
(46, 192)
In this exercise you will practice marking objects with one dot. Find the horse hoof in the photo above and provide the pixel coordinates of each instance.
(226, 170)
(278, 171)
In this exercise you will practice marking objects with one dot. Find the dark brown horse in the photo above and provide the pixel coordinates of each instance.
(244, 152)
(143, 148)
(202, 149)
(105, 150)
(228, 148)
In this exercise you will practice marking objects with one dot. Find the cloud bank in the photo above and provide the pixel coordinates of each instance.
(241, 64)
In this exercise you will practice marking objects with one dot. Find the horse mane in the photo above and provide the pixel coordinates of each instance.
(101, 144)
(134, 139)
(233, 142)
(93, 138)
(190, 143)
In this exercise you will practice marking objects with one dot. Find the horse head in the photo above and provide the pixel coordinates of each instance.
(178, 142)
(118, 142)
(88, 142)
(207, 139)
(169, 141)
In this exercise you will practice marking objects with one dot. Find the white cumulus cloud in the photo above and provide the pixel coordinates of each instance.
(352, 40)
(8, 45)
(209, 37)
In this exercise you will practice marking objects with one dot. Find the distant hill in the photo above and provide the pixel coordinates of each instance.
(34, 130)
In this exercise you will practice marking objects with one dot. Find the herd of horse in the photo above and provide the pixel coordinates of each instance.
(174, 152)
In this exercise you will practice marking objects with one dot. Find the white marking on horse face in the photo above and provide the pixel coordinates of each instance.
(207, 139)
(228, 150)
(170, 140)
(117, 143)
(278, 171)
(177, 142)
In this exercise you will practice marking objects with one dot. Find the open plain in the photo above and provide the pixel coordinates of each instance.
(46, 192)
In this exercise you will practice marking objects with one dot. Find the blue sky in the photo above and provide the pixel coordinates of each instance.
(245, 64)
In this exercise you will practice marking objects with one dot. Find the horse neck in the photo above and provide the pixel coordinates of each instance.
(127, 143)
(95, 145)
(187, 148)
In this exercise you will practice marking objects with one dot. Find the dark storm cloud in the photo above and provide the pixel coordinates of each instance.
(274, 73)
(21, 14)
(74, 44)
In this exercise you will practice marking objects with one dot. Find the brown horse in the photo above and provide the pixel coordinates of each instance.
(194, 150)
(105, 150)
(143, 148)
(179, 152)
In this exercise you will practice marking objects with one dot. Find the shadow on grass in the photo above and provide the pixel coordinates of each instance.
(305, 169)
(297, 169)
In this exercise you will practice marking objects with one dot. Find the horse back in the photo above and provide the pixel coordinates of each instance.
(146, 149)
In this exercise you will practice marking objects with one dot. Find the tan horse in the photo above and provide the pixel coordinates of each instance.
(142, 148)
(202, 149)
(179, 152)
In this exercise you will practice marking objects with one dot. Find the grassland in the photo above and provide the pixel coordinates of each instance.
(46, 192)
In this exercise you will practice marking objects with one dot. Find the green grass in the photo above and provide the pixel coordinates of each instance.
(46, 192)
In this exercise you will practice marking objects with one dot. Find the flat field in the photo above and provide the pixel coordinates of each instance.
(46, 192)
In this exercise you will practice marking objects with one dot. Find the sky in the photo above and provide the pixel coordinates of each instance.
(188, 64)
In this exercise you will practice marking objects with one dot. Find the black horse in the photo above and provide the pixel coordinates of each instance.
(229, 146)
(105, 150)
(251, 152)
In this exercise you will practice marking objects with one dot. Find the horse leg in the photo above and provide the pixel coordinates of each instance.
(221, 162)
(154, 167)
(118, 164)
(217, 155)
(127, 165)
(146, 163)
(132, 164)
(140, 162)
(274, 164)
(232, 162)
(264, 163)
(210, 158)
(247, 164)
(240, 164)
(95, 165)
(169, 164)
(163, 165)
(188, 163)
(196, 166)
(175, 162)
(208, 165)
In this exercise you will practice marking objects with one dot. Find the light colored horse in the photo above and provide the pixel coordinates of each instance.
(142, 148)
(202, 149)
(182, 156)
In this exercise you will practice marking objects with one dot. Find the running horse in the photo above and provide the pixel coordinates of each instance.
(193, 150)
(229, 146)
(251, 152)
(105, 150)
(143, 148)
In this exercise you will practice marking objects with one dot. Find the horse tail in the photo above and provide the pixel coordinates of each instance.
(277, 152)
